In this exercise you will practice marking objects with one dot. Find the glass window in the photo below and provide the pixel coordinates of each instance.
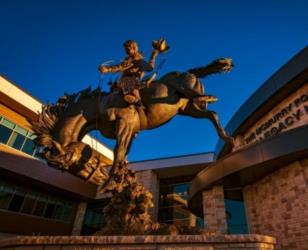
(49, 210)
(24, 200)
(181, 190)
(6, 195)
(94, 217)
(199, 222)
(28, 204)
(183, 222)
(43, 198)
(8, 188)
(4, 134)
(173, 202)
(165, 214)
(180, 212)
(18, 137)
(28, 146)
(235, 211)
(5, 199)
(39, 208)
(58, 211)
(16, 140)
(38, 153)
(20, 191)
(16, 203)
(67, 213)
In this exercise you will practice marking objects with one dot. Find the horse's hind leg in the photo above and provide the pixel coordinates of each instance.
(190, 110)
(124, 135)
(211, 115)
(127, 124)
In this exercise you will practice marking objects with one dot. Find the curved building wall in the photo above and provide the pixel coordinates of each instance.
(290, 113)
(276, 89)
(266, 174)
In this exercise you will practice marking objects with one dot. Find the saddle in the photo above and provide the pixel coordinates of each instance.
(128, 84)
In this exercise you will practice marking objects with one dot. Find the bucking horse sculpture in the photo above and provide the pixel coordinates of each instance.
(61, 127)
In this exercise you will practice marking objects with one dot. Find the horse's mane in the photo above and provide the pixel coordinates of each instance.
(68, 100)
(52, 113)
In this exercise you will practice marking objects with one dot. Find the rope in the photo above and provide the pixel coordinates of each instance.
(100, 82)
(95, 135)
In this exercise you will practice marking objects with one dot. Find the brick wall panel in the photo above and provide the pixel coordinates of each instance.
(277, 205)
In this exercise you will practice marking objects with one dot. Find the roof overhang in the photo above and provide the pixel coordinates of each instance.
(17, 166)
(246, 166)
(175, 166)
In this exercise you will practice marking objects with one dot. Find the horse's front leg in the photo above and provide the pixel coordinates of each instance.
(190, 110)
(127, 122)
(124, 136)
(123, 140)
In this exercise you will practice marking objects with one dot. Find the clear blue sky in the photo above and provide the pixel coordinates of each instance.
(51, 47)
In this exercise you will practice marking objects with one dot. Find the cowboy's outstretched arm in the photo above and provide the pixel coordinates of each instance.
(153, 58)
(115, 68)
(159, 46)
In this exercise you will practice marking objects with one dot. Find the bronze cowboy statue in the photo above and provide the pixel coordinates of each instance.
(60, 128)
(133, 69)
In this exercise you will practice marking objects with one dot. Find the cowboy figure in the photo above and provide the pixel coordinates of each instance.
(133, 68)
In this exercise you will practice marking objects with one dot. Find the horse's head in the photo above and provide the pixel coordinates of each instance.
(221, 65)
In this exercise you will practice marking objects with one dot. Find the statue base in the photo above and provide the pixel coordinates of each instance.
(150, 242)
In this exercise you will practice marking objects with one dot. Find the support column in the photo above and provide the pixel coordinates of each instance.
(79, 217)
(214, 210)
(149, 180)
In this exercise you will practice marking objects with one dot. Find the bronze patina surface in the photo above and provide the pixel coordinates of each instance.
(61, 127)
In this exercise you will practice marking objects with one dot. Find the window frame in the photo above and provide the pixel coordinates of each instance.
(16, 130)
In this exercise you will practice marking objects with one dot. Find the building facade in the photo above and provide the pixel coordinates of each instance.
(261, 185)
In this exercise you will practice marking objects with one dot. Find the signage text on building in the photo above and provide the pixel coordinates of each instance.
(290, 115)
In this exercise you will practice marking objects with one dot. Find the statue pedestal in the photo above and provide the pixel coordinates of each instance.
(149, 242)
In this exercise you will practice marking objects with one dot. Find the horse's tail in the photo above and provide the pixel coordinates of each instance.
(218, 66)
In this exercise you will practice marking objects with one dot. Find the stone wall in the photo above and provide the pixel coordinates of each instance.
(149, 180)
(214, 210)
(277, 205)
(158, 242)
